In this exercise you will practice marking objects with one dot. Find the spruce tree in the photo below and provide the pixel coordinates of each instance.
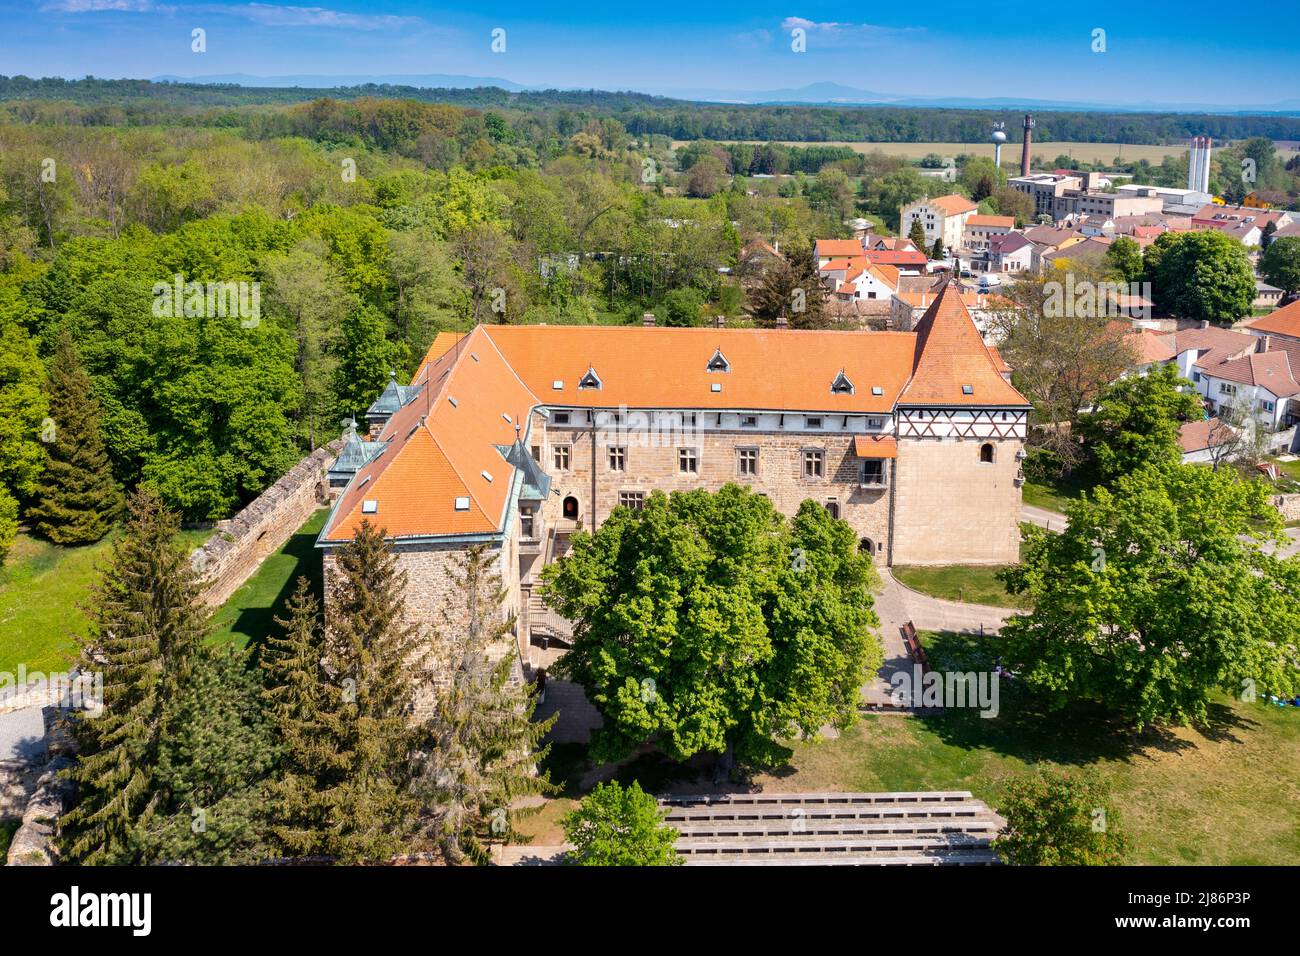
(481, 745)
(936, 251)
(343, 705)
(77, 499)
(147, 625)
(294, 697)
(917, 235)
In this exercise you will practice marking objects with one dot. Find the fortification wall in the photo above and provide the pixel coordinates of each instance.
(243, 542)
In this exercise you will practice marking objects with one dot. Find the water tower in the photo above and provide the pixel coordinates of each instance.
(999, 137)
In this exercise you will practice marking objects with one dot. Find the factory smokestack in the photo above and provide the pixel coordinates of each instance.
(1027, 145)
(1198, 164)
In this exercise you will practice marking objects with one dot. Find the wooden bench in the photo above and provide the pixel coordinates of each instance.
(914, 645)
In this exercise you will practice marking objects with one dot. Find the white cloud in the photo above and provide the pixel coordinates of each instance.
(97, 6)
(830, 33)
(272, 15)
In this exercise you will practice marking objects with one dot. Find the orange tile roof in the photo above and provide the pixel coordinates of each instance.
(875, 446)
(1285, 321)
(1001, 222)
(951, 355)
(899, 257)
(837, 247)
(478, 386)
(952, 204)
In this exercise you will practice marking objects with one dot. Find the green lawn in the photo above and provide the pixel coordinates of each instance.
(43, 588)
(1221, 795)
(251, 611)
(1053, 494)
(972, 583)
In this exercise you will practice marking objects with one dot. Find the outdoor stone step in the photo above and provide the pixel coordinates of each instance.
(981, 858)
(938, 811)
(989, 824)
(814, 797)
(813, 843)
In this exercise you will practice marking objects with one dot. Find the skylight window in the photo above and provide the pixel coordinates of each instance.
(558, 385)
(507, 418)
(715, 387)
(968, 389)
(462, 503)
(590, 380)
(719, 362)
(452, 399)
(486, 474)
(877, 390)
(369, 506)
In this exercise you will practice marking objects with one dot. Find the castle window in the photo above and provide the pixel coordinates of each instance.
(873, 471)
(867, 546)
(617, 458)
(561, 418)
(833, 508)
(842, 385)
(562, 455)
(812, 421)
(719, 362)
(747, 461)
(986, 453)
(814, 463)
(631, 499)
(570, 508)
(748, 421)
(590, 380)
(688, 461)
(526, 521)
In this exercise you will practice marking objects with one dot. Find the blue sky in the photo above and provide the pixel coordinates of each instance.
(1155, 52)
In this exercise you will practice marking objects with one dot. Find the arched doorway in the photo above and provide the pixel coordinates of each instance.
(986, 453)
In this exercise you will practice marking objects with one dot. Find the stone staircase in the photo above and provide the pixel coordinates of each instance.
(949, 828)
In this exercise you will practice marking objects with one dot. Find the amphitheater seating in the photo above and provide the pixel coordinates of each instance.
(834, 829)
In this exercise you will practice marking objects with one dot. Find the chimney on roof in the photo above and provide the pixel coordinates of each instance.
(719, 321)
(648, 320)
(1264, 342)
(782, 322)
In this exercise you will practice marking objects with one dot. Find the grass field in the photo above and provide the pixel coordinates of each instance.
(972, 583)
(1225, 794)
(1044, 153)
(44, 586)
(1055, 494)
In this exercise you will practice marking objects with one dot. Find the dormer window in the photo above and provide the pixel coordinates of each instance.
(719, 362)
(590, 380)
(841, 385)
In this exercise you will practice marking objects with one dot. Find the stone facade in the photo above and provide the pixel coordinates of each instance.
(1288, 506)
(242, 543)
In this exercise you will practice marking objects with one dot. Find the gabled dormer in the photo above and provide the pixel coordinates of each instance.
(590, 380)
(718, 363)
(841, 385)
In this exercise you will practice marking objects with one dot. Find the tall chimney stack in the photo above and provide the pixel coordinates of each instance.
(1027, 145)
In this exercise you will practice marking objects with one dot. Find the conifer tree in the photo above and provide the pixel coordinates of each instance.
(936, 251)
(343, 705)
(147, 625)
(917, 234)
(77, 499)
(481, 743)
(294, 696)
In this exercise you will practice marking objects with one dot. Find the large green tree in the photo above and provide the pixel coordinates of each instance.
(1060, 819)
(1200, 275)
(147, 624)
(709, 623)
(366, 360)
(78, 500)
(1156, 595)
(23, 406)
(617, 826)
(1280, 264)
(1136, 420)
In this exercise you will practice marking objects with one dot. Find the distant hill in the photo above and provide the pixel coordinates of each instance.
(311, 81)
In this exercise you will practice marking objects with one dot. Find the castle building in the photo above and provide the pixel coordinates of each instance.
(518, 437)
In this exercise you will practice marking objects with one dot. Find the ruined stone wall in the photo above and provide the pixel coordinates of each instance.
(243, 542)
(1288, 506)
(951, 508)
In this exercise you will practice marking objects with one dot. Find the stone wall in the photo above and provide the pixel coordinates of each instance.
(1288, 506)
(780, 475)
(951, 508)
(243, 542)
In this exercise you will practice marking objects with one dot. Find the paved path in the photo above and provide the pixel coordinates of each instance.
(1291, 549)
(1051, 520)
(22, 735)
